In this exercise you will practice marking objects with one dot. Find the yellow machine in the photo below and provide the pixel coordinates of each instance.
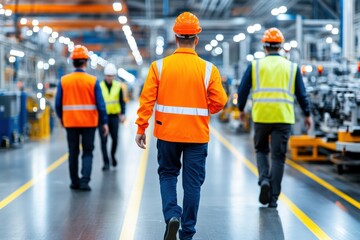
(306, 148)
(231, 113)
(38, 120)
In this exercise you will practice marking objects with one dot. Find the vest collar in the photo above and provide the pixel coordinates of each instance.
(185, 50)
(273, 54)
(79, 70)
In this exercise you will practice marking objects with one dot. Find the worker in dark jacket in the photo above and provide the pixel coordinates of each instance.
(80, 105)
(275, 82)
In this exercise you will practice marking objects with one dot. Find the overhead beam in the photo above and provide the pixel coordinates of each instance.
(76, 24)
(159, 22)
(24, 9)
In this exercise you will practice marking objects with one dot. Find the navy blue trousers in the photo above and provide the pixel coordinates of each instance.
(193, 176)
(87, 141)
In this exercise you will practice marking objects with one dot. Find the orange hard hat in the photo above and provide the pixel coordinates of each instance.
(79, 52)
(187, 24)
(273, 35)
(320, 69)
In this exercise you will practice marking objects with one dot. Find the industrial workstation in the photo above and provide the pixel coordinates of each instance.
(197, 119)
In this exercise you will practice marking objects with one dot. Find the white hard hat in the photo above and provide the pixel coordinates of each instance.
(110, 69)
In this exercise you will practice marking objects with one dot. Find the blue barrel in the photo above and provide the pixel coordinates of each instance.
(23, 114)
(9, 116)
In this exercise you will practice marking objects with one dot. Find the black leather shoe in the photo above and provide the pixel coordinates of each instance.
(172, 228)
(264, 197)
(84, 187)
(106, 167)
(114, 162)
(272, 205)
(75, 186)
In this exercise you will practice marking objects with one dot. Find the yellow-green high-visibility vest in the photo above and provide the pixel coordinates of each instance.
(273, 86)
(111, 98)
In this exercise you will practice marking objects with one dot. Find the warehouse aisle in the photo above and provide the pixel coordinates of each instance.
(37, 203)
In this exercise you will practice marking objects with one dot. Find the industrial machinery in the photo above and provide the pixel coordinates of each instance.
(335, 108)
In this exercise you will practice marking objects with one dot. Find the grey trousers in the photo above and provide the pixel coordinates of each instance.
(271, 137)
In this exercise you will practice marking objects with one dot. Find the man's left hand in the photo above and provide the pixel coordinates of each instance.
(122, 118)
(140, 139)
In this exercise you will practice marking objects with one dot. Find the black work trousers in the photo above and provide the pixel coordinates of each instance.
(278, 135)
(87, 136)
(113, 122)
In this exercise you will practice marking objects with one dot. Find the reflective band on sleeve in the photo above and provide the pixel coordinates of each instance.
(291, 76)
(159, 67)
(79, 107)
(257, 69)
(273, 100)
(274, 90)
(208, 70)
(183, 110)
(112, 102)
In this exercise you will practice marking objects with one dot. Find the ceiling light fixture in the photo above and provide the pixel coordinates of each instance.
(117, 6)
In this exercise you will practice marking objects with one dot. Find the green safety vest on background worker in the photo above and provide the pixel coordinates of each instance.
(273, 86)
(112, 98)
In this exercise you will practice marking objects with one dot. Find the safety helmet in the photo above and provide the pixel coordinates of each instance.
(79, 52)
(110, 69)
(273, 35)
(187, 24)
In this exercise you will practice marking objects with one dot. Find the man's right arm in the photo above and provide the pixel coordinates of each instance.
(100, 104)
(244, 88)
(300, 93)
(216, 92)
(301, 96)
(58, 101)
(147, 99)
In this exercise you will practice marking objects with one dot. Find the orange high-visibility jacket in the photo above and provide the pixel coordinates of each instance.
(78, 100)
(185, 90)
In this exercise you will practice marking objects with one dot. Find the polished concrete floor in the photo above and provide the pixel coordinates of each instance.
(37, 203)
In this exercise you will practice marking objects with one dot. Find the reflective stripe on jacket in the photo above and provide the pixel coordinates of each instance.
(273, 84)
(112, 98)
(186, 90)
(78, 100)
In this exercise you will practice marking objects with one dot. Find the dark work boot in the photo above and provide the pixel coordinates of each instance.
(264, 197)
(84, 187)
(106, 167)
(114, 162)
(172, 228)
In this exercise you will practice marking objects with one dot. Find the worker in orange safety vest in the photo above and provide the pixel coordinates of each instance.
(80, 105)
(186, 90)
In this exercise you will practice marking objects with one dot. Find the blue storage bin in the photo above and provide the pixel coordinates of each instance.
(23, 114)
(9, 117)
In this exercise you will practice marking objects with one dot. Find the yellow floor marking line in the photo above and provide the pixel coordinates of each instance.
(32, 182)
(132, 212)
(323, 183)
(311, 225)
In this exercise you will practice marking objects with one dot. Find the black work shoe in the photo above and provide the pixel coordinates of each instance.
(264, 197)
(114, 162)
(272, 205)
(84, 187)
(106, 167)
(172, 228)
(75, 186)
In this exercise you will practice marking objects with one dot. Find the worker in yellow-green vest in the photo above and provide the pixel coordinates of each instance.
(275, 82)
(115, 108)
